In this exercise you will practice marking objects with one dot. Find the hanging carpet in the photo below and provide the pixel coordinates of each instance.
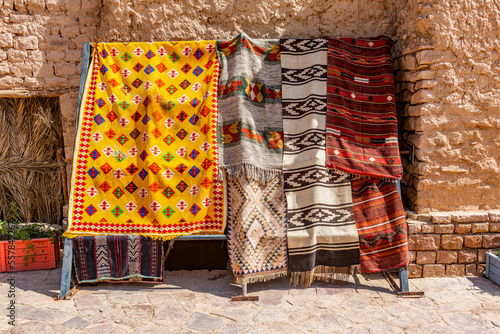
(362, 133)
(322, 238)
(250, 115)
(117, 258)
(146, 151)
(256, 230)
(381, 223)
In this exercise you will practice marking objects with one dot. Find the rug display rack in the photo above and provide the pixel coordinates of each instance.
(66, 277)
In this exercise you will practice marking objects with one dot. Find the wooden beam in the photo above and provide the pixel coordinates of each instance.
(10, 93)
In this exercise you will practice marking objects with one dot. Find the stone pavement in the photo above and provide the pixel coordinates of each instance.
(199, 301)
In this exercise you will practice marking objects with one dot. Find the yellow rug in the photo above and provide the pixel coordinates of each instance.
(145, 161)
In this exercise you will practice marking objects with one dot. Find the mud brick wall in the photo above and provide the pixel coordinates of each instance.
(447, 67)
(448, 84)
(41, 50)
(41, 41)
(452, 243)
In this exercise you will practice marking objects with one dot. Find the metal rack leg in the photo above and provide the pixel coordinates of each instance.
(403, 280)
(403, 290)
(66, 268)
(244, 296)
(244, 287)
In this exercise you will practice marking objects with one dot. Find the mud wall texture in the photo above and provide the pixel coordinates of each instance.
(446, 54)
(41, 40)
(41, 50)
(449, 84)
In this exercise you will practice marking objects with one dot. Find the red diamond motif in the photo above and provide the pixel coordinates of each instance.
(155, 187)
(105, 186)
(157, 115)
(160, 83)
(110, 133)
(206, 183)
(205, 111)
(111, 116)
(169, 140)
(160, 67)
(206, 164)
(154, 168)
(106, 168)
(204, 129)
(156, 133)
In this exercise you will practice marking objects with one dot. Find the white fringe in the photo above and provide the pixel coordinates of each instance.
(251, 172)
(260, 278)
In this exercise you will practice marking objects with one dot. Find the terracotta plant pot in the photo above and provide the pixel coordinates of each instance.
(46, 255)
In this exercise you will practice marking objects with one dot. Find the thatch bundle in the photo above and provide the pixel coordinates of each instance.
(31, 157)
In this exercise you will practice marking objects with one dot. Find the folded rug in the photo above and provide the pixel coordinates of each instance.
(362, 133)
(250, 117)
(145, 161)
(256, 230)
(322, 238)
(117, 258)
(381, 223)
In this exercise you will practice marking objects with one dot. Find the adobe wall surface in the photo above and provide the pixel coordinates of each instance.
(447, 63)
(449, 83)
(41, 50)
(41, 41)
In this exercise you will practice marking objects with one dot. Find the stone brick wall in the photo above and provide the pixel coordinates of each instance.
(451, 243)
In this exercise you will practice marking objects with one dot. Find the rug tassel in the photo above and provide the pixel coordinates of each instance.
(335, 275)
(251, 172)
(261, 278)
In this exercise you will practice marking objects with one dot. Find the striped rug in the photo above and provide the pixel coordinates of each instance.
(381, 224)
(322, 237)
(361, 122)
(117, 258)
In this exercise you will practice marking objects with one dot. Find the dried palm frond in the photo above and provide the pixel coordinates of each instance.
(31, 156)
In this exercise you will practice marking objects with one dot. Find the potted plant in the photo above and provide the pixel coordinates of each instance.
(27, 246)
(493, 267)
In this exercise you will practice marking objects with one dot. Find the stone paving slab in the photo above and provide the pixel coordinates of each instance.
(199, 302)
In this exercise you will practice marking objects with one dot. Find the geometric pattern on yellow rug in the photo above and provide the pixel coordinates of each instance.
(146, 159)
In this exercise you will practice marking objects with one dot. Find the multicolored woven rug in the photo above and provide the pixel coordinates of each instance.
(322, 237)
(256, 230)
(250, 117)
(362, 133)
(381, 223)
(146, 152)
(118, 258)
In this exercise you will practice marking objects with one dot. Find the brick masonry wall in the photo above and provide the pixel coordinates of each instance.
(451, 243)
